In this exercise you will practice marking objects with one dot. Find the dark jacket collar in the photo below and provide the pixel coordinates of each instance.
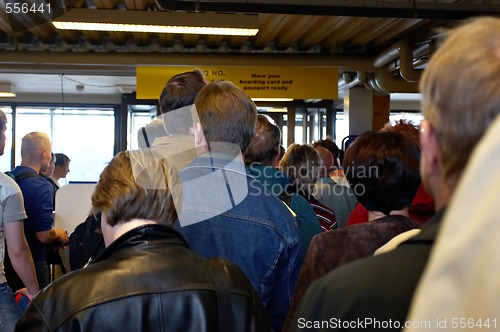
(146, 234)
(430, 229)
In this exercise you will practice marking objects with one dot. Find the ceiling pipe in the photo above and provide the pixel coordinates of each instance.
(404, 50)
(420, 54)
(346, 82)
(387, 56)
(386, 82)
(370, 84)
(406, 69)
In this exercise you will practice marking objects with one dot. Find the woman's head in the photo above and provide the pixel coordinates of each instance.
(122, 196)
(383, 170)
(302, 163)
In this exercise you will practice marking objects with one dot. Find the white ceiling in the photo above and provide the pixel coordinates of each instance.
(56, 84)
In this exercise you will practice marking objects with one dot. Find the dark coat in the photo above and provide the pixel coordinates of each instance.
(335, 248)
(372, 290)
(146, 280)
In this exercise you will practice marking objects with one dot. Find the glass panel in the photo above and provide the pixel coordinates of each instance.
(284, 131)
(136, 121)
(6, 157)
(86, 136)
(299, 129)
(415, 118)
(29, 120)
(341, 128)
(323, 126)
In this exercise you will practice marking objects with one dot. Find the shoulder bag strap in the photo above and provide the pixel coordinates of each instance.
(145, 137)
(221, 279)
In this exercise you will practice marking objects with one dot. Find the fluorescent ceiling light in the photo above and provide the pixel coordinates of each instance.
(275, 110)
(7, 90)
(158, 22)
(272, 99)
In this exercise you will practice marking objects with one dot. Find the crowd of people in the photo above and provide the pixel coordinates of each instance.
(210, 226)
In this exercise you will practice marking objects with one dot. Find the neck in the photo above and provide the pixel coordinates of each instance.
(121, 228)
(34, 166)
(372, 215)
(442, 191)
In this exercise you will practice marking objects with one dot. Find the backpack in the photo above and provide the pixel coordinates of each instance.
(85, 242)
(22, 176)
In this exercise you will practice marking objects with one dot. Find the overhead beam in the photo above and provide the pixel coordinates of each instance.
(125, 63)
(361, 8)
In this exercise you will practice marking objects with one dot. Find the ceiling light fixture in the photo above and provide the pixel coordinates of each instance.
(272, 99)
(7, 90)
(158, 22)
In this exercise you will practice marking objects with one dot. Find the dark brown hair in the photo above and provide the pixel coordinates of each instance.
(181, 90)
(265, 145)
(383, 170)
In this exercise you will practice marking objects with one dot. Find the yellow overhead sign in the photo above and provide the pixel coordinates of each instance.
(257, 82)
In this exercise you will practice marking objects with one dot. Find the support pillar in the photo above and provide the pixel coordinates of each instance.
(365, 110)
(358, 103)
(290, 123)
(331, 119)
(381, 111)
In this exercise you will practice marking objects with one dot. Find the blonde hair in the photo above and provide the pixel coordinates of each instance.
(33, 142)
(119, 196)
(302, 163)
(461, 89)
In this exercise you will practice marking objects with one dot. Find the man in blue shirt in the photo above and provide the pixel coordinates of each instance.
(38, 196)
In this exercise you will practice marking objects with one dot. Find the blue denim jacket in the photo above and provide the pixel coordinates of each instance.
(276, 181)
(238, 219)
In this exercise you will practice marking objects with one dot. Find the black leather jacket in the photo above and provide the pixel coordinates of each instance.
(147, 280)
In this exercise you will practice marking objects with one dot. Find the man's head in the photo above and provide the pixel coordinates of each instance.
(61, 168)
(119, 196)
(327, 161)
(51, 166)
(383, 170)
(178, 95)
(460, 98)
(332, 147)
(3, 128)
(36, 151)
(264, 148)
(226, 115)
(181, 90)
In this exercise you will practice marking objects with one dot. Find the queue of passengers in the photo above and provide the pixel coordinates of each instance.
(204, 233)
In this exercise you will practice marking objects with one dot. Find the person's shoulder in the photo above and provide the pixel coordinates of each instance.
(299, 200)
(353, 277)
(388, 269)
(237, 277)
(7, 181)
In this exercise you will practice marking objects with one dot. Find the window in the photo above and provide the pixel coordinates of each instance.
(415, 118)
(85, 135)
(136, 121)
(5, 160)
(341, 128)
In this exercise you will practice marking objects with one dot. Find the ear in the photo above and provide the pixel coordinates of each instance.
(199, 136)
(107, 230)
(430, 153)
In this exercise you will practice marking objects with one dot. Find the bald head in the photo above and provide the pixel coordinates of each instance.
(36, 151)
(327, 161)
